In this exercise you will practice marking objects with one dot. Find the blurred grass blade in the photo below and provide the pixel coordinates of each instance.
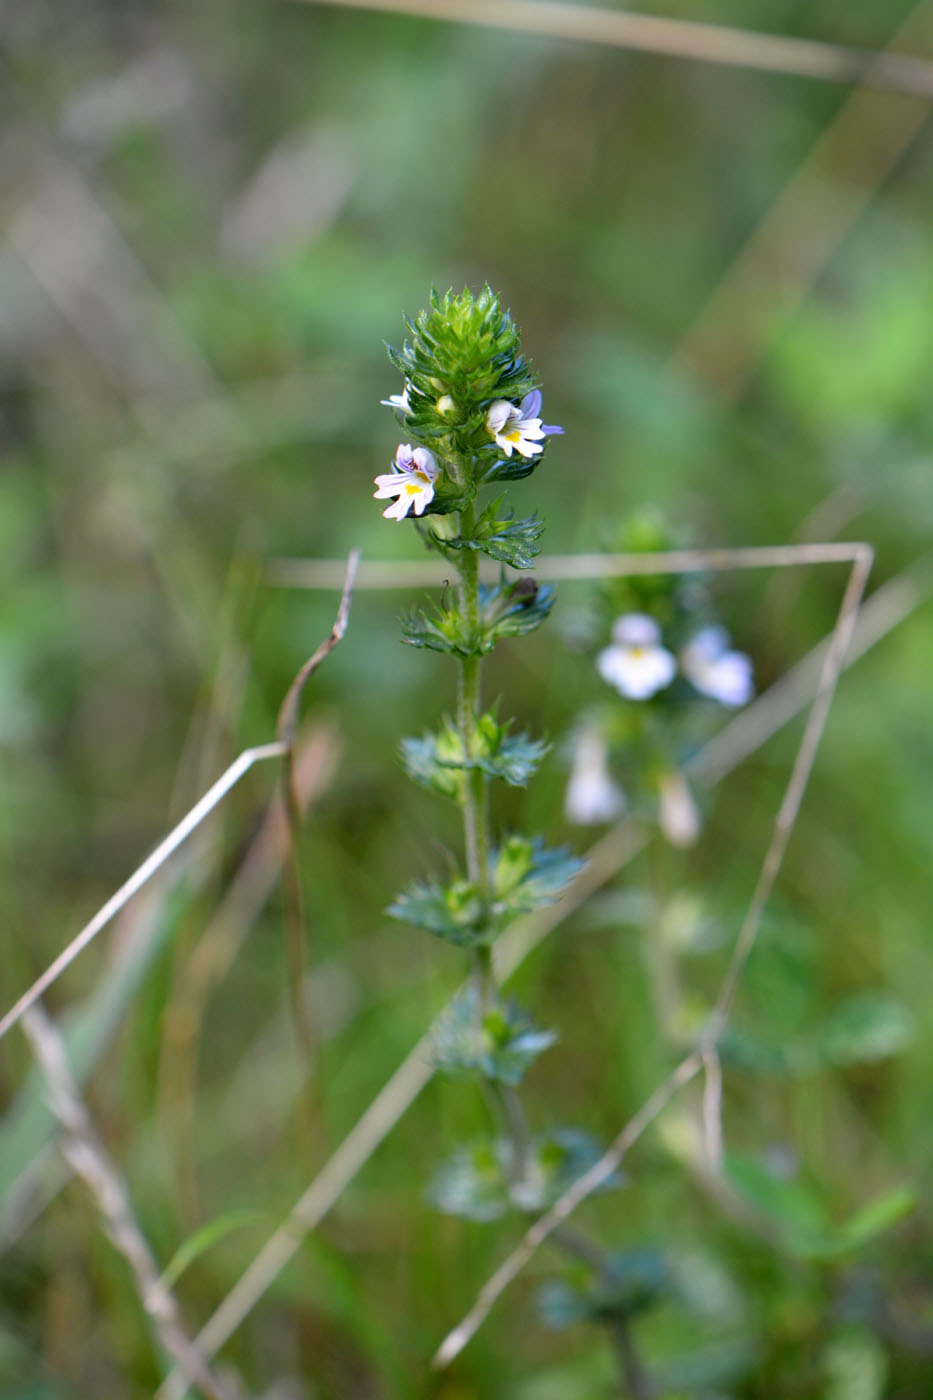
(202, 1240)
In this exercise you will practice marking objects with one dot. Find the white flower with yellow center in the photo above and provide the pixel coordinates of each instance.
(519, 428)
(714, 670)
(636, 663)
(592, 796)
(411, 480)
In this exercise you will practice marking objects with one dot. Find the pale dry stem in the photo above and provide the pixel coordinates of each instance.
(674, 38)
(88, 1158)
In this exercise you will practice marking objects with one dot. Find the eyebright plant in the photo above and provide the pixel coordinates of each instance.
(470, 413)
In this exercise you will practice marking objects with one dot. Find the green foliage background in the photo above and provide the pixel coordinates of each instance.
(187, 390)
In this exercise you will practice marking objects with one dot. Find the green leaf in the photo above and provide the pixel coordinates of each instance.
(514, 609)
(202, 1240)
(525, 875)
(561, 1305)
(503, 537)
(752, 1055)
(512, 541)
(500, 1043)
(879, 1215)
(791, 1204)
(866, 1028)
(438, 760)
(514, 468)
(554, 1162)
(516, 760)
(454, 913)
(506, 610)
(802, 1219)
(447, 497)
(473, 1182)
(446, 630)
(481, 1181)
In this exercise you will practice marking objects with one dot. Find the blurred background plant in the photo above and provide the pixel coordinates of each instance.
(667, 658)
(211, 218)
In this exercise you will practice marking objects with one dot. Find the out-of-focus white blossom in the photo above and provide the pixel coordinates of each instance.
(636, 663)
(714, 670)
(593, 796)
(678, 814)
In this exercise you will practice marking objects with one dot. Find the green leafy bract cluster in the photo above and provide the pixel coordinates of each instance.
(439, 761)
(505, 609)
(479, 1181)
(463, 353)
(499, 1041)
(523, 876)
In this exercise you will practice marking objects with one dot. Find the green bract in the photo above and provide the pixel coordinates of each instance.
(503, 610)
(522, 876)
(437, 760)
(454, 912)
(480, 1181)
(499, 1042)
(526, 876)
(503, 538)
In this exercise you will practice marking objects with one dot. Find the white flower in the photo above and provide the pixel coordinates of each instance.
(446, 406)
(411, 480)
(678, 814)
(399, 401)
(636, 663)
(592, 795)
(512, 430)
(714, 670)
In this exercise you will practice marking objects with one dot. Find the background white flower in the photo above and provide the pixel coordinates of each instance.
(714, 670)
(678, 814)
(412, 481)
(592, 794)
(636, 663)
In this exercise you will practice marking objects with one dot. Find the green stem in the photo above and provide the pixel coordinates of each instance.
(474, 805)
(516, 1129)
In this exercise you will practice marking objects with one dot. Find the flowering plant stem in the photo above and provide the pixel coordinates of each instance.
(472, 400)
(474, 803)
